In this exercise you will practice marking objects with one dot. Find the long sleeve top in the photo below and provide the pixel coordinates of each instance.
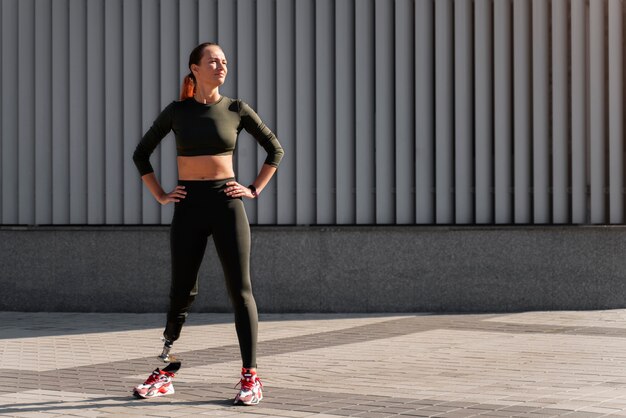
(206, 130)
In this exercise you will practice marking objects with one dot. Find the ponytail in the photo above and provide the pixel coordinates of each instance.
(189, 85)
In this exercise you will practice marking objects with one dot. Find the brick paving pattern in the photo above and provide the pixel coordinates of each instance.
(534, 364)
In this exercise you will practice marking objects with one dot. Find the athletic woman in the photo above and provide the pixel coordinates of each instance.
(209, 200)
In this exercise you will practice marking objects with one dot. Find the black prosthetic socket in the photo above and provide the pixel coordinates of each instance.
(181, 300)
(172, 330)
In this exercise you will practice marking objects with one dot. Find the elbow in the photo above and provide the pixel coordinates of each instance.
(280, 153)
(142, 163)
(274, 158)
(137, 156)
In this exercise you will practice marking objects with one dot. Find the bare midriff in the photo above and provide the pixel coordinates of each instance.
(205, 167)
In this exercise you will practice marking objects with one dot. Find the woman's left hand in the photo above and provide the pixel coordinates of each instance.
(235, 189)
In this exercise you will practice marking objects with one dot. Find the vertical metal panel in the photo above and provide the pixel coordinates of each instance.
(579, 100)
(344, 139)
(95, 113)
(60, 116)
(114, 157)
(150, 93)
(188, 29)
(10, 93)
(246, 87)
(411, 111)
(484, 111)
(43, 113)
(266, 97)
(325, 111)
(616, 112)
(227, 38)
(541, 100)
(597, 109)
(424, 113)
(132, 85)
(464, 111)
(285, 110)
(1, 113)
(405, 112)
(384, 113)
(25, 111)
(207, 21)
(364, 109)
(78, 112)
(305, 112)
(502, 111)
(560, 132)
(172, 72)
(522, 111)
(444, 108)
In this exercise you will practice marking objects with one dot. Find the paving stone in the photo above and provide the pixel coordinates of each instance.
(528, 364)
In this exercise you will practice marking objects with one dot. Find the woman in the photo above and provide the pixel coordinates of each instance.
(208, 200)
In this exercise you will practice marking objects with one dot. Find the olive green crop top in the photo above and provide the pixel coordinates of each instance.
(206, 130)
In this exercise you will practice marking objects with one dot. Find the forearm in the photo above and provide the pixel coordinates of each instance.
(153, 186)
(264, 177)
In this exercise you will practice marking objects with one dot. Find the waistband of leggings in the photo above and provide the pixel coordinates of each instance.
(205, 184)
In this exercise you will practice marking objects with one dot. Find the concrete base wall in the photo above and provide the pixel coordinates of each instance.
(324, 269)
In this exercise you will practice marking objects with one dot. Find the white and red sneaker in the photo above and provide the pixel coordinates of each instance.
(251, 391)
(159, 383)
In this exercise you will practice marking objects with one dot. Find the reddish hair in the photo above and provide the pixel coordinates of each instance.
(189, 82)
(188, 88)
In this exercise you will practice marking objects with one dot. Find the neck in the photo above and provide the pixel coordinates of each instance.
(207, 95)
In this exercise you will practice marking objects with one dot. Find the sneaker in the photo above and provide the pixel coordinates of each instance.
(159, 383)
(251, 388)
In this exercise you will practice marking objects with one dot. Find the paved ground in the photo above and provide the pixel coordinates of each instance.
(535, 364)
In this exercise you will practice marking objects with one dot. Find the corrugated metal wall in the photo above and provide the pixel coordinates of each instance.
(390, 112)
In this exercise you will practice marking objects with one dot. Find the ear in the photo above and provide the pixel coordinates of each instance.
(194, 68)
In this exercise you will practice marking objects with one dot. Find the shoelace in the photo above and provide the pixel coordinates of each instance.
(152, 378)
(248, 383)
(156, 375)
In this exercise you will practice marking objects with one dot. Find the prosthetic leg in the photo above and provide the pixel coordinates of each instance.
(173, 327)
(165, 356)
(159, 383)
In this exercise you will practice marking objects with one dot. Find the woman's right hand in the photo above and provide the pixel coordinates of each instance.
(174, 196)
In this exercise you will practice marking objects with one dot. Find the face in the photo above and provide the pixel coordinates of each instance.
(212, 67)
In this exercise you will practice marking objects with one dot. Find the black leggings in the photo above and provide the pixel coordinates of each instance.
(208, 211)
